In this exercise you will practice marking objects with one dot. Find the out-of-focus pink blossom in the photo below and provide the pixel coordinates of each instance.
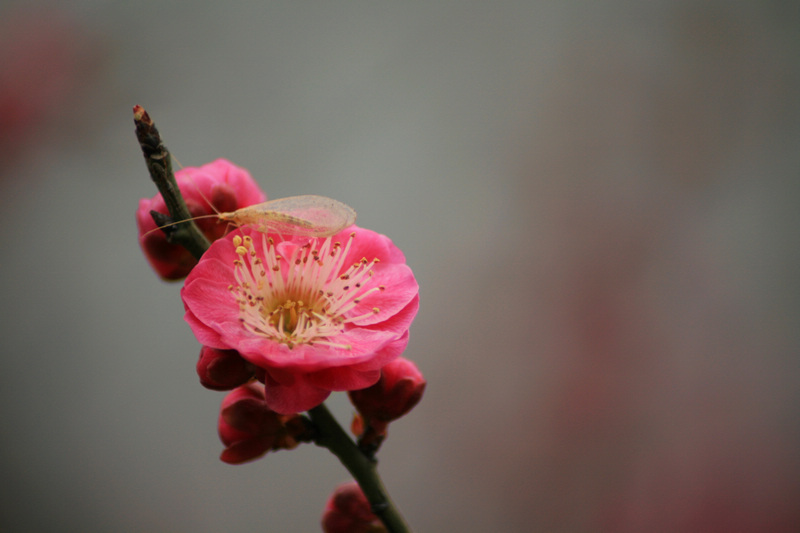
(216, 187)
(317, 315)
(348, 511)
(48, 65)
(249, 429)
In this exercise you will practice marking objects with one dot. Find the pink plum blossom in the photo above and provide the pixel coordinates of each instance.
(318, 315)
(219, 186)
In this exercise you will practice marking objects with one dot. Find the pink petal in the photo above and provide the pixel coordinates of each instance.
(344, 378)
(300, 396)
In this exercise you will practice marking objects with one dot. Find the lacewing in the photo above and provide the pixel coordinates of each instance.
(307, 216)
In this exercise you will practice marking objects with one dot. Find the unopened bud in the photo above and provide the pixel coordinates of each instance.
(398, 390)
(223, 369)
(348, 511)
(249, 429)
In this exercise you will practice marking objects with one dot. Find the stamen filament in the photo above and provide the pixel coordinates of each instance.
(304, 298)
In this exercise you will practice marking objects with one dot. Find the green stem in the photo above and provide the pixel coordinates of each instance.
(331, 435)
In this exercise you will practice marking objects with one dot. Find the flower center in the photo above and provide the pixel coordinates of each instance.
(307, 298)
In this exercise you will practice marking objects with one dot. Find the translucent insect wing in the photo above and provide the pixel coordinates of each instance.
(308, 215)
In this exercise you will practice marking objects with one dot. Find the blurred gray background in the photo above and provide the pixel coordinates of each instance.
(599, 200)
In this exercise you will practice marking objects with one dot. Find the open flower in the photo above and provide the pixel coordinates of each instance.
(217, 187)
(317, 315)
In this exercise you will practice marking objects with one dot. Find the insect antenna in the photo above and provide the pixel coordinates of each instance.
(166, 223)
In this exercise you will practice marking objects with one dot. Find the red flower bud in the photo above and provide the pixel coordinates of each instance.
(249, 429)
(348, 511)
(398, 390)
(223, 369)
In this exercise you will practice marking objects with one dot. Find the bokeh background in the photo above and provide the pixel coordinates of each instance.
(599, 200)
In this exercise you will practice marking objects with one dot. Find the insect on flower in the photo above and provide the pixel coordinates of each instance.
(306, 216)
